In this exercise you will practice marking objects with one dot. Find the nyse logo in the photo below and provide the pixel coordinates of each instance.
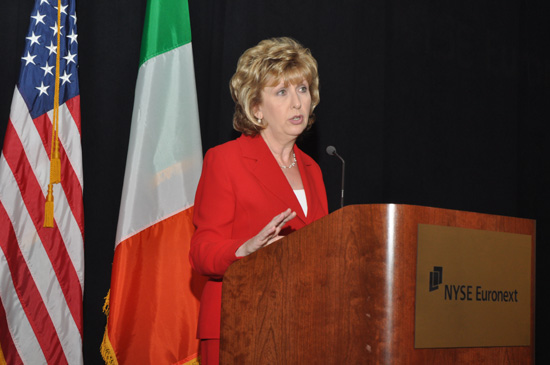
(436, 277)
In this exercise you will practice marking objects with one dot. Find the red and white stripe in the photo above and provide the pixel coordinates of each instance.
(41, 269)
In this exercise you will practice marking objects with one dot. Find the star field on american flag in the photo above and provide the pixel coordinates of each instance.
(37, 78)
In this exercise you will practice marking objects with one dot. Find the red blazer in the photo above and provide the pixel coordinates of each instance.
(240, 190)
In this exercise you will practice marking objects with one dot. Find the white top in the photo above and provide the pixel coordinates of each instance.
(301, 195)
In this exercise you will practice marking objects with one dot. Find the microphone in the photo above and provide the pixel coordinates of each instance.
(331, 150)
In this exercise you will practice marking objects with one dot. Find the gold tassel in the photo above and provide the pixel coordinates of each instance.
(55, 168)
(48, 210)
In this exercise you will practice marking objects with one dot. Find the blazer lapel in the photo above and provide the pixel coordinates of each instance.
(305, 165)
(260, 161)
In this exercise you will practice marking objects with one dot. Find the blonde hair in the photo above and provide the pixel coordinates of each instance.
(266, 64)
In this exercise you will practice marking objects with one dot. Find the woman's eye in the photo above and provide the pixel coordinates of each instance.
(303, 89)
(281, 92)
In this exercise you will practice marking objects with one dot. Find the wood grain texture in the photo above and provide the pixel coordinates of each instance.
(342, 291)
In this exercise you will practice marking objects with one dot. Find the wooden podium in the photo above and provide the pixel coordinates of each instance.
(342, 291)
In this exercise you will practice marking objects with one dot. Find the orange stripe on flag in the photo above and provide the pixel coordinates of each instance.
(154, 300)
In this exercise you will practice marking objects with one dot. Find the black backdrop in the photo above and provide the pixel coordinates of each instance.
(431, 102)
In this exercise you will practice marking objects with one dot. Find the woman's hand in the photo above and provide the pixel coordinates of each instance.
(268, 235)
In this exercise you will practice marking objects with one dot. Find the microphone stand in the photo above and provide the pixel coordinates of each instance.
(331, 150)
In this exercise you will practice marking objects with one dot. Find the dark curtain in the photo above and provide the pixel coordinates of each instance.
(436, 103)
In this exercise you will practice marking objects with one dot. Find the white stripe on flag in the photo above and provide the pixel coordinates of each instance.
(31, 140)
(70, 232)
(165, 154)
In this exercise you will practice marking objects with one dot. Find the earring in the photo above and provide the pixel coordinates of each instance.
(259, 121)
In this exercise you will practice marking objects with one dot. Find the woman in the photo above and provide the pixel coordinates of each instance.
(259, 187)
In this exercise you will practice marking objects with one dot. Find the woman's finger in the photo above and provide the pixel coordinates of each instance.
(284, 217)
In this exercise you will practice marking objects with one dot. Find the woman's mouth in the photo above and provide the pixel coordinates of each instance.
(297, 119)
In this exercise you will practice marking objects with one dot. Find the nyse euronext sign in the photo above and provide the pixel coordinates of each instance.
(479, 294)
(470, 293)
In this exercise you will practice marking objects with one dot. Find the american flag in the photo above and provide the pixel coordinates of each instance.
(42, 269)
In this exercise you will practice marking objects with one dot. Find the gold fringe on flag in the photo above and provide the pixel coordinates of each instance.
(106, 305)
(55, 162)
(106, 349)
(195, 360)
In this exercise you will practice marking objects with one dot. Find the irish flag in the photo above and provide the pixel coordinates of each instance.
(153, 304)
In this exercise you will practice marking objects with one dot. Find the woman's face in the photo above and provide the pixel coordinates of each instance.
(285, 109)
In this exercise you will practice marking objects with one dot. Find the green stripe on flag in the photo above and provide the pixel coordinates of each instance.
(167, 26)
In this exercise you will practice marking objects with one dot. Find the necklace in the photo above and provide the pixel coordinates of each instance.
(292, 164)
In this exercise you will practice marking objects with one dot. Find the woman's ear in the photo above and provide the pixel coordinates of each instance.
(257, 112)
